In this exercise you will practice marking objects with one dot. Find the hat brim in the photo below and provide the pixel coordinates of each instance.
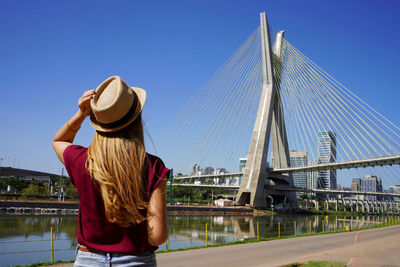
(141, 96)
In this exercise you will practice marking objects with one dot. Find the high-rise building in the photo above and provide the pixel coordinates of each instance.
(299, 159)
(370, 183)
(194, 169)
(242, 164)
(206, 170)
(356, 184)
(312, 178)
(326, 154)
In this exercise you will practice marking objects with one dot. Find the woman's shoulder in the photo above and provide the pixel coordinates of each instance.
(155, 164)
(75, 149)
(74, 153)
(154, 159)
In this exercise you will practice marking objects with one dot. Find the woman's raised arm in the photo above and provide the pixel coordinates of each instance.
(66, 134)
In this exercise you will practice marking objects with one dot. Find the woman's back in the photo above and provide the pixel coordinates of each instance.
(121, 187)
(95, 231)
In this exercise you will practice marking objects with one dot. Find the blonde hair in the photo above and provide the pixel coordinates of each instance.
(116, 161)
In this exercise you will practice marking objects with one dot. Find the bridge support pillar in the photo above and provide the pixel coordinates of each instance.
(269, 119)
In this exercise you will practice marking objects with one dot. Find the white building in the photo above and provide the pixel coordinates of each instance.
(393, 189)
(370, 183)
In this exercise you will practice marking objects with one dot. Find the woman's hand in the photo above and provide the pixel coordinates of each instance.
(84, 102)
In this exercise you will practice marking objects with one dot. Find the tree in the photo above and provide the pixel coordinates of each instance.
(15, 183)
(71, 191)
(35, 190)
(304, 196)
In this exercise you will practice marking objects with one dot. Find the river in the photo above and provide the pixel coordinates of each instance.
(26, 239)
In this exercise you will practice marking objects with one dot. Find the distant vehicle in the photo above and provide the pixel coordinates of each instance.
(178, 203)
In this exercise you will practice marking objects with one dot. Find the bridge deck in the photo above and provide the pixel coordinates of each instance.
(362, 163)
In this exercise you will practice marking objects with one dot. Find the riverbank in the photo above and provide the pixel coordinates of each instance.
(71, 207)
(68, 207)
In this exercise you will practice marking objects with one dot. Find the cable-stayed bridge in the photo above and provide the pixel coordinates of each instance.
(268, 92)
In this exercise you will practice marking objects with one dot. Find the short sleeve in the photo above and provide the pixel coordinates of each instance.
(74, 157)
(157, 171)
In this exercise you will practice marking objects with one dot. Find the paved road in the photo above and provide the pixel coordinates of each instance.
(376, 247)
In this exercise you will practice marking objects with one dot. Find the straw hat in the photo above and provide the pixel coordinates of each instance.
(115, 105)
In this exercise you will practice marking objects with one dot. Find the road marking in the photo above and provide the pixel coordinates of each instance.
(356, 240)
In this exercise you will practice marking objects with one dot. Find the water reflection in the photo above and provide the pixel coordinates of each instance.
(24, 233)
(187, 231)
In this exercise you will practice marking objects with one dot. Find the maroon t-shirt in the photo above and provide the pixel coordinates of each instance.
(94, 230)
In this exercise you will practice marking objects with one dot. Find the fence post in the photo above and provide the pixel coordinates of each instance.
(52, 245)
(323, 227)
(310, 226)
(258, 232)
(206, 236)
(235, 231)
(279, 230)
(294, 227)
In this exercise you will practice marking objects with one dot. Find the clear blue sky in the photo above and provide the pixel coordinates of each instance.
(51, 51)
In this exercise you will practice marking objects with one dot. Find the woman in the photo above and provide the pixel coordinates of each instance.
(122, 209)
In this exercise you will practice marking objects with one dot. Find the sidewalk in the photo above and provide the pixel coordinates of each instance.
(376, 247)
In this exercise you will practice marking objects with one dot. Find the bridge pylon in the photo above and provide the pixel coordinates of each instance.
(269, 124)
